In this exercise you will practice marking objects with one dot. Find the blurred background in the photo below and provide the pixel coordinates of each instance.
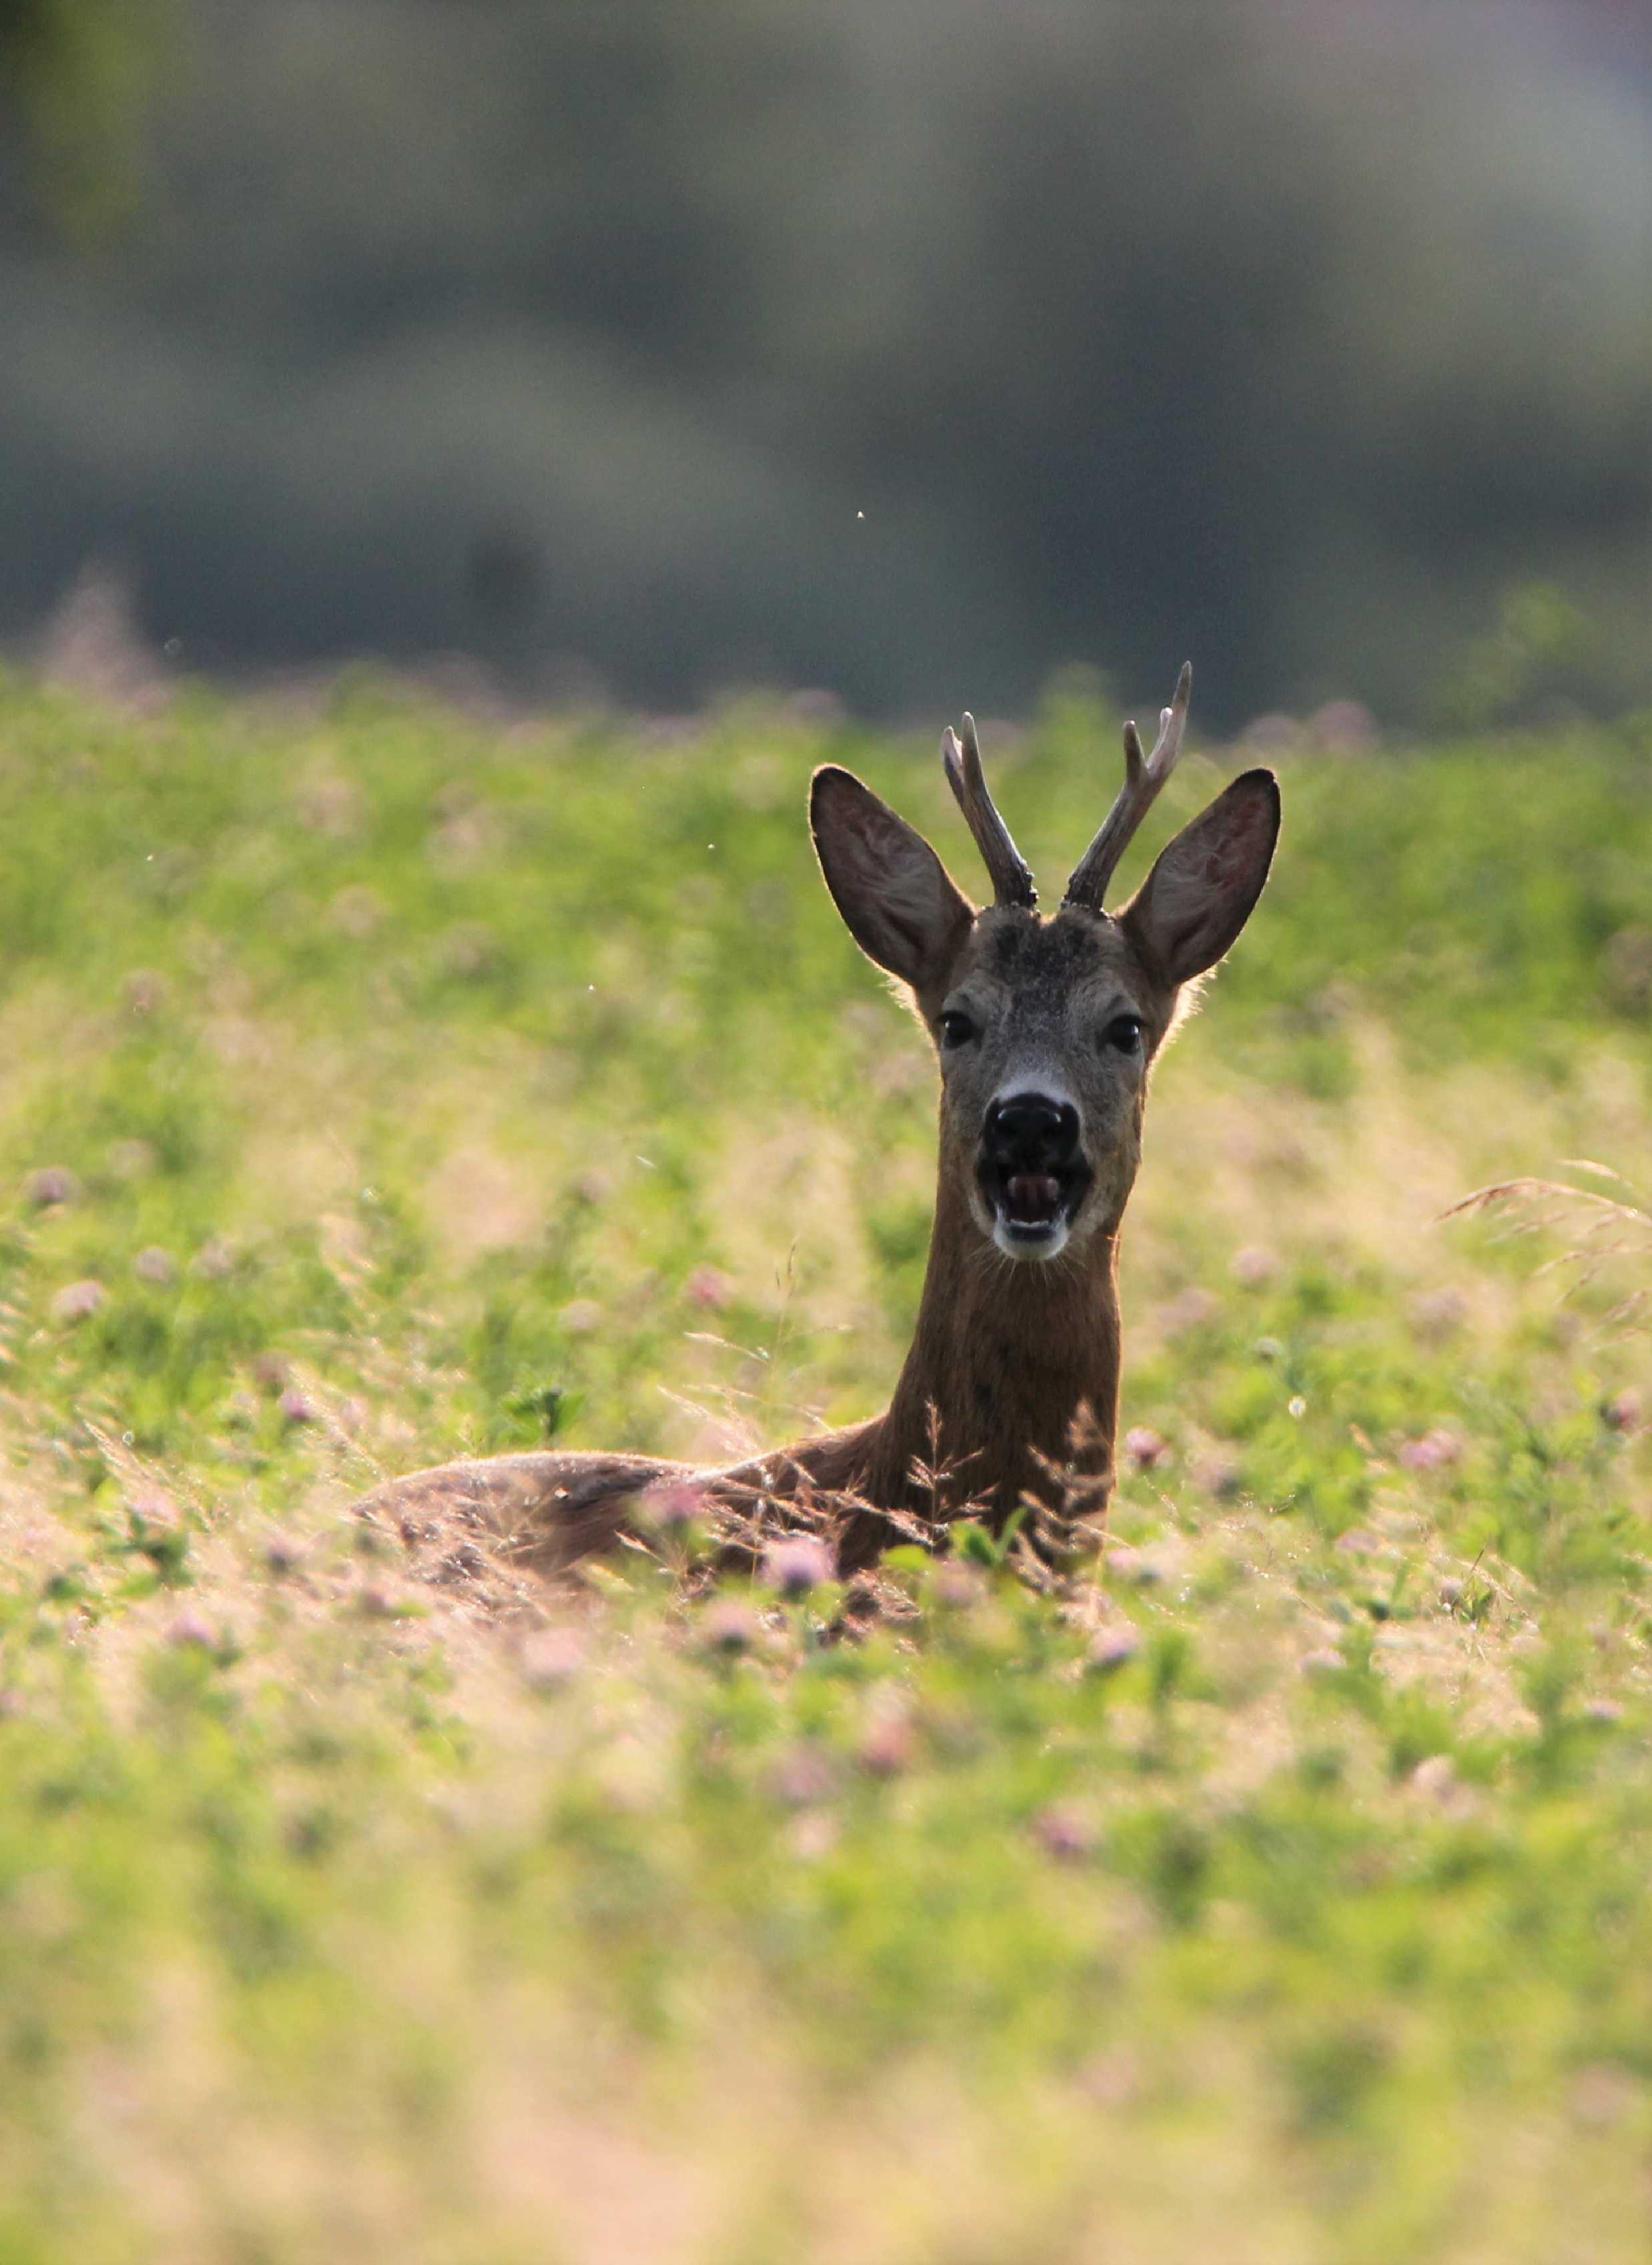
(912, 352)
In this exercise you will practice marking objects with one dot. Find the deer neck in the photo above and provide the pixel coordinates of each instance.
(1013, 1364)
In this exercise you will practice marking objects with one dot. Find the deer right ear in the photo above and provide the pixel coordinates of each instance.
(896, 898)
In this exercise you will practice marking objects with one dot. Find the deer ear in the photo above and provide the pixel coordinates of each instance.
(1189, 909)
(898, 899)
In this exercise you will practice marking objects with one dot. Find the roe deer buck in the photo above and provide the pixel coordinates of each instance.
(1045, 1030)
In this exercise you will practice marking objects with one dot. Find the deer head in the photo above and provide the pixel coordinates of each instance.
(1045, 1028)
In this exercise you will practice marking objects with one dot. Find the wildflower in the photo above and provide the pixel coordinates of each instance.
(1435, 1451)
(1438, 1314)
(155, 1517)
(79, 1302)
(812, 1836)
(887, 1746)
(552, 1656)
(1145, 1449)
(1063, 1834)
(1623, 1413)
(1111, 2080)
(1125, 1562)
(729, 1627)
(143, 991)
(298, 1408)
(1189, 1309)
(803, 1776)
(1272, 733)
(1435, 1776)
(1436, 1780)
(956, 1587)
(707, 1286)
(1112, 1648)
(1223, 1476)
(1602, 2093)
(798, 1565)
(671, 1504)
(192, 1631)
(357, 911)
(1255, 1267)
(56, 1184)
(1344, 727)
(1357, 1542)
(153, 1264)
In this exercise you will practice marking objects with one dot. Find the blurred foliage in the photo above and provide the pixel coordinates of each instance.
(908, 354)
(1547, 659)
(74, 75)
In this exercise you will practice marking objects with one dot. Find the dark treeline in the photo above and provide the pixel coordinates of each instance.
(912, 350)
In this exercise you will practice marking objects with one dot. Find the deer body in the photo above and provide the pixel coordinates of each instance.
(1045, 1031)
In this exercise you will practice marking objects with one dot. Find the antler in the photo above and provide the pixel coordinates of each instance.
(1011, 876)
(1143, 779)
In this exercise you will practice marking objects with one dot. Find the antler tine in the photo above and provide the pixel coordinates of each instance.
(1144, 776)
(1011, 876)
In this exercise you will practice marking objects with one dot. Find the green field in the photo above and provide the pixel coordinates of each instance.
(377, 1085)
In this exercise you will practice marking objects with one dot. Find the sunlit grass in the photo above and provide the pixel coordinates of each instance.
(375, 1086)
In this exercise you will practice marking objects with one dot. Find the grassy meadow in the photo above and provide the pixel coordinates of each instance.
(378, 1085)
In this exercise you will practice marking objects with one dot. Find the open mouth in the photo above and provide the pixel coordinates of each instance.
(1032, 1210)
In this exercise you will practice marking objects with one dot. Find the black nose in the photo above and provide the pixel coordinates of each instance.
(1030, 1132)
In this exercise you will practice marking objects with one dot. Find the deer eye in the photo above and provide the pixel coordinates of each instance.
(957, 1027)
(1125, 1032)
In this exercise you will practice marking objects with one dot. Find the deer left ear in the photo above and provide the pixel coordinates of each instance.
(1191, 909)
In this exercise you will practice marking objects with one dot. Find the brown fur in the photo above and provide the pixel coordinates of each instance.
(1009, 1395)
